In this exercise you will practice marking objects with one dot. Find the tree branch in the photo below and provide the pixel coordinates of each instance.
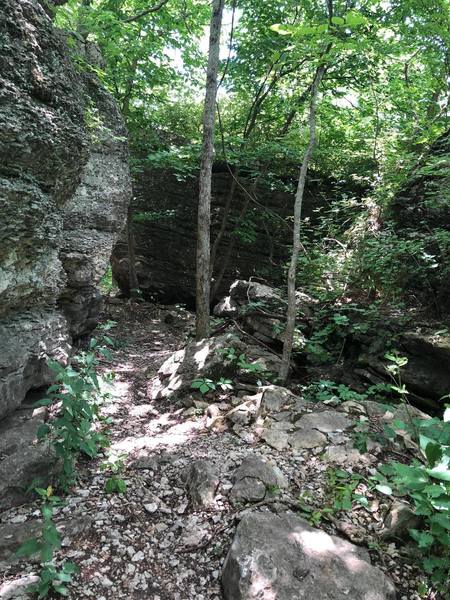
(146, 12)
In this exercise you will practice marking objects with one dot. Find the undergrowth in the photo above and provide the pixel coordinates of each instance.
(77, 429)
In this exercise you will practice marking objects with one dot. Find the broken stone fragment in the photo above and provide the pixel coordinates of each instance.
(399, 520)
(202, 481)
(276, 438)
(254, 479)
(307, 438)
(326, 421)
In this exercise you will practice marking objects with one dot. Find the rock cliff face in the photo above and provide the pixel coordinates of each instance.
(165, 232)
(64, 189)
(421, 211)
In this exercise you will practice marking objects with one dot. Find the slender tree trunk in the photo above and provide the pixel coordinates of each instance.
(126, 100)
(132, 275)
(292, 309)
(204, 200)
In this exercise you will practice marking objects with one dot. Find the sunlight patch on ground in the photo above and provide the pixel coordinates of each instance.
(175, 436)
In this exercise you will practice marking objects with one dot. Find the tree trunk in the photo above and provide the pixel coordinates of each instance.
(204, 201)
(132, 276)
(291, 309)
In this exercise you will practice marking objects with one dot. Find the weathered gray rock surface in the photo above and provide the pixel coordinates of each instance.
(283, 558)
(202, 482)
(64, 188)
(22, 459)
(210, 359)
(260, 308)
(255, 480)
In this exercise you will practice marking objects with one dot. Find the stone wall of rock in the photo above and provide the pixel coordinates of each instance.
(421, 210)
(165, 232)
(64, 190)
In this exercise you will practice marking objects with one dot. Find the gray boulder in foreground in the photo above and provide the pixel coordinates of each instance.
(281, 557)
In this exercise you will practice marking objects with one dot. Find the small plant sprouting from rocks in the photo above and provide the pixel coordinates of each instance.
(425, 482)
(77, 394)
(51, 578)
(115, 466)
(77, 429)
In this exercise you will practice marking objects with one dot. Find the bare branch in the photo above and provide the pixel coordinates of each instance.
(146, 12)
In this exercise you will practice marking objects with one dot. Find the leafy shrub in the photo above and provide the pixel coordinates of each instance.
(51, 578)
(426, 482)
(75, 430)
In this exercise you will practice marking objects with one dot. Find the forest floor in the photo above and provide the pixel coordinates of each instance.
(150, 542)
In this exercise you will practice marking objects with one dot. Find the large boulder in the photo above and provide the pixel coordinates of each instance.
(64, 190)
(261, 309)
(284, 558)
(426, 374)
(213, 358)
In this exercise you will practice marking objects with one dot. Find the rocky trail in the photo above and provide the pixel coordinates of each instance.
(202, 472)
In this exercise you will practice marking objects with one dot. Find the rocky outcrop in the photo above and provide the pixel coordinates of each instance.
(22, 459)
(261, 309)
(421, 212)
(426, 373)
(424, 200)
(64, 188)
(213, 360)
(283, 557)
(165, 217)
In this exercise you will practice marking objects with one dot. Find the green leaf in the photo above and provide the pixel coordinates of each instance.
(338, 21)
(354, 18)
(433, 451)
(29, 547)
(121, 486)
(433, 490)
(282, 29)
(46, 553)
(441, 520)
(61, 589)
(384, 489)
(70, 567)
(361, 500)
(51, 535)
(47, 512)
(440, 471)
(423, 539)
(42, 431)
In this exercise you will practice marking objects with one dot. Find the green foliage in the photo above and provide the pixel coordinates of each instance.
(426, 482)
(240, 360)
(75, 430)
(78, 394)
(151, 216)
(114, 466)
(205, 385)
(51, 577)
(330, 392)
(107, 283)
(342, 492)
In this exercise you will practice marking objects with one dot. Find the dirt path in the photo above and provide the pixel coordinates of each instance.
(150, 542)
